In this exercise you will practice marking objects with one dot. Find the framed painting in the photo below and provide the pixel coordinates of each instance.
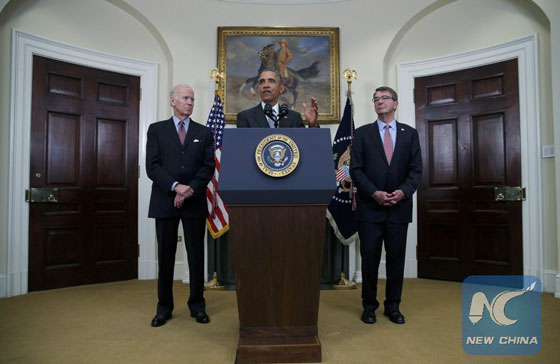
(306, 58)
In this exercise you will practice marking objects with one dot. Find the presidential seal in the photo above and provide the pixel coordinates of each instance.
(277, 155)
(343, 172)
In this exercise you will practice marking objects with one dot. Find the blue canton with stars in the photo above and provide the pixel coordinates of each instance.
(216, 121)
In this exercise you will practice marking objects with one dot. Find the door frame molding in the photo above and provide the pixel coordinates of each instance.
(526, 52)
(24, 47)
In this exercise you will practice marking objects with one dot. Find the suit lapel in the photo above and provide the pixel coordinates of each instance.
(260, 117)
(190, 134)
(376, 137)
(399, 142)
(171, 131)
(285, 122)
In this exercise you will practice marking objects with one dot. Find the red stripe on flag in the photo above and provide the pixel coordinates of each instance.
(217, 211)
(223, 218)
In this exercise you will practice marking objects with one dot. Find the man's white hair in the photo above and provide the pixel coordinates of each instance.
(173, 93)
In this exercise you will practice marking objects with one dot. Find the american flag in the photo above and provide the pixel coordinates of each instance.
(342, 173)
(218, 218)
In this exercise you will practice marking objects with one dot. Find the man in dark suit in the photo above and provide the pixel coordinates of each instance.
(385, 166)
(268, 114)
(180, 162)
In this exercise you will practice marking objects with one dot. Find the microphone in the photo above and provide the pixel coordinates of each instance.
(270, 113)
(284, 108)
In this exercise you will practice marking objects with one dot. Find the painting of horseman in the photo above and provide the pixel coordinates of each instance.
(304, 61)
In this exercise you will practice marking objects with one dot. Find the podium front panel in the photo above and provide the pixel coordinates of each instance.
(243, 183)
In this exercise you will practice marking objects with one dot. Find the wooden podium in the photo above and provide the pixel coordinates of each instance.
(277, 228)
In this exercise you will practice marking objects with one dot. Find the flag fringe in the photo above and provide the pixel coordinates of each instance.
(345, 241)
(216, 234)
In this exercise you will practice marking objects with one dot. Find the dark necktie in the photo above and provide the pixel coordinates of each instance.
(388, 144)
(182, 132)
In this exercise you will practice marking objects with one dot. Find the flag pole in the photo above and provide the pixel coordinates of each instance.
(349, 75)
(214, 284)
(343, 282)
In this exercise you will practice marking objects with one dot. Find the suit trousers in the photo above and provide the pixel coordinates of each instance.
(372, 236)
(166, 230)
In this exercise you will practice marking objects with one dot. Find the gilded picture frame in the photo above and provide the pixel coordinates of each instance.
(311, 69)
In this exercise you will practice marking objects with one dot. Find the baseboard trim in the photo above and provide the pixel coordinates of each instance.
(16, 283)
(147, 269)
(410, 269)
(179, 272)
(549, 281)
(382, 272)
(3, 287)
(557, 292)
(186, 278)
(358, 276)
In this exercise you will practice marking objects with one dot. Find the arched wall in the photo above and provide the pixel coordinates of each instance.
(375, 35)
(465, 26)
(74, 26)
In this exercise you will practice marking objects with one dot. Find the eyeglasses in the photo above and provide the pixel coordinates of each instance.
(384, 97)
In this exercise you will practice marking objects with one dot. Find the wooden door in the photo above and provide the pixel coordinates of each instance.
(468, 123)
(84, 142)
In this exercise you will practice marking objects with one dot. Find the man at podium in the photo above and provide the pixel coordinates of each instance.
(269, 114)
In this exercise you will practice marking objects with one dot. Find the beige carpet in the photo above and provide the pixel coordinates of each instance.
(110, 323)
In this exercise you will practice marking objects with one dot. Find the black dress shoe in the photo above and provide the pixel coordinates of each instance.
(160, 319)
(394, 316)
(368, 317)
(201, 317)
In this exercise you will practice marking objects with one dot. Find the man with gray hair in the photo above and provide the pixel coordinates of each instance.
(385, 166)
(180, 162)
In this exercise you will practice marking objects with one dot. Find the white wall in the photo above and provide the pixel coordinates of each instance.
(552, 11)
(181, 36)
(457, 33)
(76, 24)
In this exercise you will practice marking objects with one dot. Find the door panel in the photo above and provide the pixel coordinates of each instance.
(468, 123)
(84, 143)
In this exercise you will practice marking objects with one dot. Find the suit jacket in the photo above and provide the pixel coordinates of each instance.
(168, 161)
(255, 118)
(371, 172)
